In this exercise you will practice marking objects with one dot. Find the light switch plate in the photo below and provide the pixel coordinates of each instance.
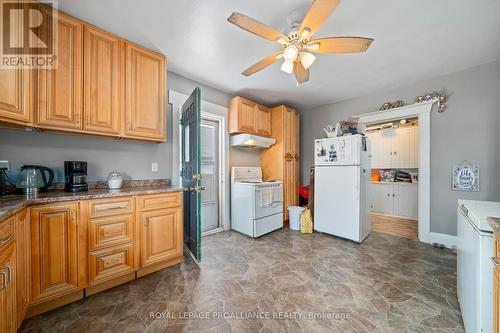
(5, 164)
(154, 167)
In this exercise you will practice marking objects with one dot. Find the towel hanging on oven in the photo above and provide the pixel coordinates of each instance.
(270, 195)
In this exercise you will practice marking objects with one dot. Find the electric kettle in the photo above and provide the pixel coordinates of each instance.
(32, 179)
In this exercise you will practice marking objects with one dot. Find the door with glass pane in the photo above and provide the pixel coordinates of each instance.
(210, 174)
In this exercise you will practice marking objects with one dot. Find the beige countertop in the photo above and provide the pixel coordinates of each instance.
(11, 204)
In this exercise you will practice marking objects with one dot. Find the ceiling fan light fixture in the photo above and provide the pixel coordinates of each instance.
(287, 67)
(305, 33)
(290, 54)
(312, 47)
(307, 59)
(282, 41)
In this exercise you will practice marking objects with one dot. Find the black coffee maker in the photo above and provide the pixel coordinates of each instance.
(75, 175)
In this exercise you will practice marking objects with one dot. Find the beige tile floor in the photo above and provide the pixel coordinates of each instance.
(282, 282)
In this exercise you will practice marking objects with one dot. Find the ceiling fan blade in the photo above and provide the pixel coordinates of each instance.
(251, 25)
(262, 64)
(301, 74)
(340, 45)
(319, 11)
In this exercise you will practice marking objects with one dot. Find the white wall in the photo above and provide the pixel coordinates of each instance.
(468, 129)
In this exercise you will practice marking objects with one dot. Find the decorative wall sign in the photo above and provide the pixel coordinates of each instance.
(465, 177)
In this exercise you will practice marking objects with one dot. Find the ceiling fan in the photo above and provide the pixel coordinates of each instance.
(297, 47)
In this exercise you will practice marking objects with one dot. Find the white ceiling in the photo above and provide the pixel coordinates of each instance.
(414, 40)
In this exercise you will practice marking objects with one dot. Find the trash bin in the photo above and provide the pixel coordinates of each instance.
(294, 216)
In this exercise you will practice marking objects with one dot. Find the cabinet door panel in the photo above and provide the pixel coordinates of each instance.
(8, 316)
(401, 148)
(496, 300)
(381, 198)
(263, 121)
(385, 150)
(109, 231)
(288, 121)
(290, 195)
(406, 201)
(23, 272)
(102, 81)
(247, 121)
(161, 237)
(145, 93)
(60, 89)
(54, 250)
(15, 95)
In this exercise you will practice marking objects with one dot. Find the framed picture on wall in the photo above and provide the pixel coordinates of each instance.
(465, 177)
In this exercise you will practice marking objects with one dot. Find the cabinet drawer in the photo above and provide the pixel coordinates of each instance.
(110, 207)
(109, 231)
(159, 201)
(6, 233)
(110, 263)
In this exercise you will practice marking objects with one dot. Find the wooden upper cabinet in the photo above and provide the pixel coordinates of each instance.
(15, 102)
(263, 121)
(249, 117)
(103, 93)
(60, 90)
(54, 251)
(145, 93)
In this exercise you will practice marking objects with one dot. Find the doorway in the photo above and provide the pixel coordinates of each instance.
(211, 160)
(394, 177)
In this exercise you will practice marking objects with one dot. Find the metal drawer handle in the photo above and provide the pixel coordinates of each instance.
(5, 240)
(495, 261)
(9, 268)
(112, 206)
(4, 282)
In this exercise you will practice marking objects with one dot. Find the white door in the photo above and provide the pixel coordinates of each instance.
(381, 198)
(406, 201)
(375, 153)
(336, 201)
(209, 166)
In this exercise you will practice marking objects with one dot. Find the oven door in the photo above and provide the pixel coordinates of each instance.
(260, 212)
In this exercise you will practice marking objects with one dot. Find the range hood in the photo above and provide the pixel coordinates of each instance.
(250, 141)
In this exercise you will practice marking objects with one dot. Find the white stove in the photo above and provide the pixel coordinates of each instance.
(256, 205)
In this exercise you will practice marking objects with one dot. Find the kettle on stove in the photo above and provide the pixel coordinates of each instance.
(33, 179)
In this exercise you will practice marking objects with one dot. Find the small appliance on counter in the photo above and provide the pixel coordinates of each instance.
(3, 180)
(115, 180)
(32, 179)
(75, 176)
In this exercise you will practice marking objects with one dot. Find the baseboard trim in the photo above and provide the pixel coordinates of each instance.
(449, 241)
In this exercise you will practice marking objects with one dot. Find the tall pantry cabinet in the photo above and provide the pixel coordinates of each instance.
(281, 160)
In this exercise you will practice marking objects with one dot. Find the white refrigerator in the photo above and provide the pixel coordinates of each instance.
(341, 187)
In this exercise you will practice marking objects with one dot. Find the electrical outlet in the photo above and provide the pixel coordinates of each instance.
(5, 164)
(154, 167)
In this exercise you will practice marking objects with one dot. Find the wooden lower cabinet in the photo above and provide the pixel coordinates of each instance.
(55, 254)
(160, 236)
(8, 310)
(54, 251)
(23, 260)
